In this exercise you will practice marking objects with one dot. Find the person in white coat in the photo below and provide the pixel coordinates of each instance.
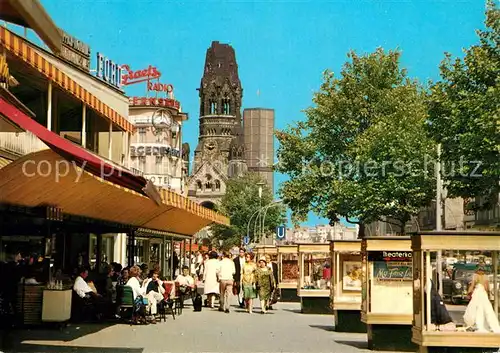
(211, 284)
(139, 290)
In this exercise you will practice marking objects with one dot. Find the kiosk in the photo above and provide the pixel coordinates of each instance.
(288, 267)
(263, 250)
(314, 278)
(346, 286)
(386, 294)
(470, 330)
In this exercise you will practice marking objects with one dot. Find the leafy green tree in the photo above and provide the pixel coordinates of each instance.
(362, 152)
(241, 204)
(464, 115)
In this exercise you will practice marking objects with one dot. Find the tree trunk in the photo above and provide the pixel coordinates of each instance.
(361, 232)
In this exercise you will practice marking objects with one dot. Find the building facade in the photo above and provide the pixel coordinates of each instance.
(321, 233)
(258, 126)
(156, 147)
(220, 152)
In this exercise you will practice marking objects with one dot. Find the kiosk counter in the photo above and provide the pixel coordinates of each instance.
(288, 267)
(345, 296)
(314, 278)
(386, 294)
(476, 328)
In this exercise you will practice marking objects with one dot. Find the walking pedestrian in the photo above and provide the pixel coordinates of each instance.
(225, 274)
(265, 283)
(248, 282)
(239, 262)
(211, 285)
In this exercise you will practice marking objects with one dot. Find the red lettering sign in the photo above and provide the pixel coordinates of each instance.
(160, 87)
(155, 102)
(132, 77)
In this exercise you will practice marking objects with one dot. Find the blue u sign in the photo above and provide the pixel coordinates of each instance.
(281, 232)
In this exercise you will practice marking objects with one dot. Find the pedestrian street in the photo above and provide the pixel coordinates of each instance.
(283, 329)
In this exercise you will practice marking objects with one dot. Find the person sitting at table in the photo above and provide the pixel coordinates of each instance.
(140, 291)
(186, 283)
(154, 286)
(84, 291)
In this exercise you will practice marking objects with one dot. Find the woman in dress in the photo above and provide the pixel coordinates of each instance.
(479, 315)
(264, 280)
(211, 284)
(248, 281)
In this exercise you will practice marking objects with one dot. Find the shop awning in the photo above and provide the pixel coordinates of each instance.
(46, 178)
(31, 14)
(81, 183)
(29, 54)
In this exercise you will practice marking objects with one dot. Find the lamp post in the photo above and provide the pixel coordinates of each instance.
(221, 242)
(260, 185)
(272, 204)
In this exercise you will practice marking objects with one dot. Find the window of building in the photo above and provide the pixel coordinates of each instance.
(226, 106)
(141, 137)
(142, 164)
(159, 165)
(198, 185)
(217, 185)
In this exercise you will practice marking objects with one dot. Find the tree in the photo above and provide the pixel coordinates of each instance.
(464, 116)
(240, 203)
(362, 152)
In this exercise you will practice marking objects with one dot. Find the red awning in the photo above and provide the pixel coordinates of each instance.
(74, 153)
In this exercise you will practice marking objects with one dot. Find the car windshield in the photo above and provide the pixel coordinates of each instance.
(464, 274)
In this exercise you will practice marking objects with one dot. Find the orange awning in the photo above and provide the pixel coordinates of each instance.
(46, 178)
(28, 53)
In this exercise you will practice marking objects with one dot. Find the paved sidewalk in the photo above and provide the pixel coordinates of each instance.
(284, 329)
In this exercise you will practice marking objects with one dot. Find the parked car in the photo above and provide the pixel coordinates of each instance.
(455, 288)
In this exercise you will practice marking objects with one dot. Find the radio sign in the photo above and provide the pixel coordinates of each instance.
(75, 51)
(108, 71)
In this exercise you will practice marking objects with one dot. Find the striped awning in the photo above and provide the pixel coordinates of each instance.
(4, 162)
(28, 53)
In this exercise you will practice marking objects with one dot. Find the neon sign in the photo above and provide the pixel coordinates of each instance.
(160, 87)
(133, 77)
(155, 102)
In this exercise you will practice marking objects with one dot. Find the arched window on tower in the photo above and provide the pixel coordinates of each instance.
(213, 106)
(198, 185)
(208, 182)
(226, 106)
(217, 185)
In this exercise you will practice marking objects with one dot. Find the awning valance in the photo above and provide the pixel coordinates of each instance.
(169, 212)
(29, 54)
(46, 178)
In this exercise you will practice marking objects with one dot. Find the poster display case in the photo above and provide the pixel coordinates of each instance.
(386, 292)
(288, 267)
(315, 276)
(471, 325)
(345, 294)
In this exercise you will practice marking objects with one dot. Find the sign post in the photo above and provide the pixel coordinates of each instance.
(280, 232)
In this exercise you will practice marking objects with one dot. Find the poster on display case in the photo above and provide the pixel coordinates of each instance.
(351, 276)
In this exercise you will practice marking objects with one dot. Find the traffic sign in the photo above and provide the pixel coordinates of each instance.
(281, 232)
(246, 240)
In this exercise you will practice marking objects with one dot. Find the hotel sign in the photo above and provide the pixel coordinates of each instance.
(75, 51)
(160, 180)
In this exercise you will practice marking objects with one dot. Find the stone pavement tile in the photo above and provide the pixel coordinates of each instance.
(281, 330)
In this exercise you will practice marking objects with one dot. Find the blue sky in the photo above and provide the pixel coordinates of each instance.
(281, 47)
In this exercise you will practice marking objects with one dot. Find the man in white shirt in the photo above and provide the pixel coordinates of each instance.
(84, 291)
(225, 275)
(81, 287)
(239, 263)
(186, 284)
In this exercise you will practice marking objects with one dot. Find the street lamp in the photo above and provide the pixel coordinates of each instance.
(221, 242)
(272, 204)
(260, 184)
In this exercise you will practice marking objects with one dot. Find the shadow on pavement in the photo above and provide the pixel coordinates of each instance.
(31, 348)
(355, 344)
(329, 328)
(297, 311)
(12, 340)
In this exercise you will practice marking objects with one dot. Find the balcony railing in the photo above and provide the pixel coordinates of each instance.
(20, 143)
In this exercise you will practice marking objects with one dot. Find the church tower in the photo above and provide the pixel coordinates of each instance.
(220, 152)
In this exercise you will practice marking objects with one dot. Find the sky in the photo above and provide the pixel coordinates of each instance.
(282, 47)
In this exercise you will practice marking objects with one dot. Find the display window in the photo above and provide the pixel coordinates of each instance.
(347, 274)
(315, 267)
(288, 266)
(456, 291)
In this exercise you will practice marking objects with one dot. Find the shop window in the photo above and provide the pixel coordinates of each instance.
(317, 271)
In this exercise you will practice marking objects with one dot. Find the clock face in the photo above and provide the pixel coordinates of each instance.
(210, 146)
(161, 119)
